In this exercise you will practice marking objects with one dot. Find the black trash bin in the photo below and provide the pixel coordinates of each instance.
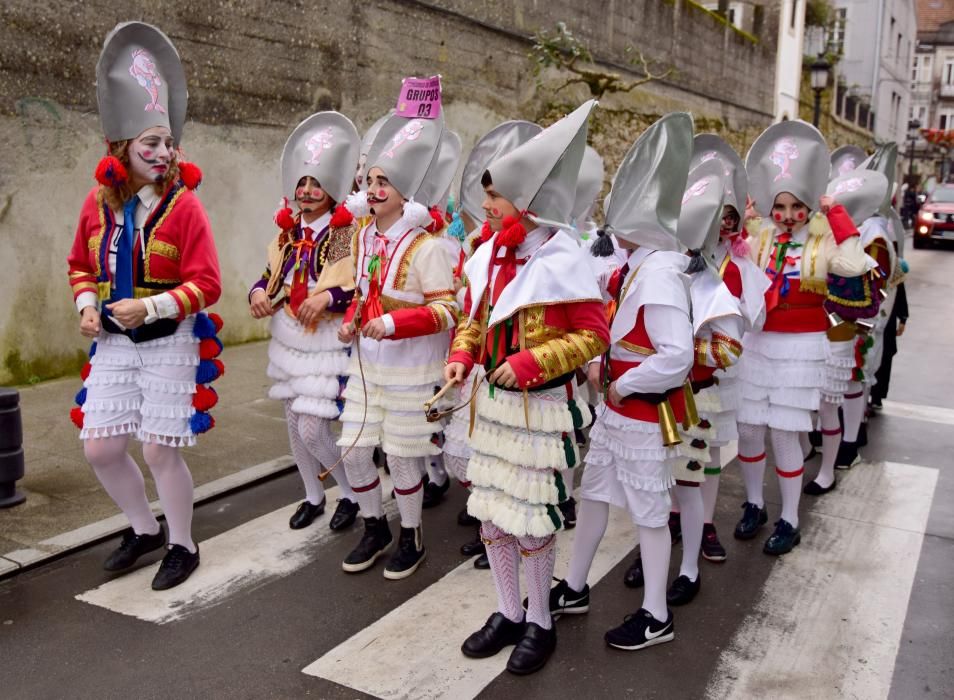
(11, 448)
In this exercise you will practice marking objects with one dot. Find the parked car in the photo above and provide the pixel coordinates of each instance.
(935, 220)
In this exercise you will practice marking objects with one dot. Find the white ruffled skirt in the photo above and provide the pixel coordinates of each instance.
(310, 369)
(841, 362)
(515, 472)
(782, 378)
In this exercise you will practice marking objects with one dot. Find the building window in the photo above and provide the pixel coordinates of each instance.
(945, 120)
(836, 32)
(947, 75)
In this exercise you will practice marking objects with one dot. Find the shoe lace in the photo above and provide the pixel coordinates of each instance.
(175, 556)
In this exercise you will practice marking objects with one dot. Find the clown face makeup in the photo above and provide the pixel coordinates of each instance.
(789, 213)
(384, 199)
(312, 200)
(730, 221)
(497, 208)
(150, 155)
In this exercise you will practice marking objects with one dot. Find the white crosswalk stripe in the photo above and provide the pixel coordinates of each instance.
(241, 558)
(385, 661)
(831, 616)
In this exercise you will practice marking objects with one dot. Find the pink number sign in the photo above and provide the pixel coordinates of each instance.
(420, 98)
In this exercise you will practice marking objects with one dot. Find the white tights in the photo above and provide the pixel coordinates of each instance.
(314, 446)
(120, 476)
(789, 459)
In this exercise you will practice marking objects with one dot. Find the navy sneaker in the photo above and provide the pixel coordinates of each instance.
(753, 518)
(640, 630)
(783, 540)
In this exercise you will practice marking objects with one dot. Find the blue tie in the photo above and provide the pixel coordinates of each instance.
(123, 282)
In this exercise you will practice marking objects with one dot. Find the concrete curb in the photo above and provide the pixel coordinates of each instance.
(20, 560)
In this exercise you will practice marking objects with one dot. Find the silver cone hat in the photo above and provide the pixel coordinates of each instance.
(495, 144)
(140, 83)
(324, 146)
(643, 206)
(861, 192)
(792, 157)
(405, 149)
(540, 175)
(708, 146)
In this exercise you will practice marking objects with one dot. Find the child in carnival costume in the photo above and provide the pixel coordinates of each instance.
(878, 237)
(530, 325)
(306, 288)
(467, 231)
(142, 267)
(718, 324)
(786, 363)
(719, 403)
(850, 303)
(634, 444)
(403, 307)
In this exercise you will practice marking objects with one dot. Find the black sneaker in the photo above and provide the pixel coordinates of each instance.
(812, 488)
(876, 405)
(434, 494)
(847, 456)
(568, 510)
(176, 567)
(482, 562)
(306, 514)
(533, 650)
(465, 519)
(565, 601)
(345, 515)
(634, 574)
(712, 549)
(640, 630)
(683, 591)
(409, 555)
(132, 547)
(675, 527)
(373, 544)
(498, 632)
(783, 540)
(752, 520)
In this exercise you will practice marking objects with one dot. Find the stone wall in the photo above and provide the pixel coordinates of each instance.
(255, 68)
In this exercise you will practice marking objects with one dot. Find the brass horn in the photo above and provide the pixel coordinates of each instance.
(692, 413)
(667, 424)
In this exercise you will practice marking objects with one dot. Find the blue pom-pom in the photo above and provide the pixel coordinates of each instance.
(200, 422)
(204, 328)
(456, 229)
(81, 396)
(92, 349)
(905, 268)
(207, 372)
(340, 404)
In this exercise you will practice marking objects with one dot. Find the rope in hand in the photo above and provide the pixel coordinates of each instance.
(434, 414)
(364, 386)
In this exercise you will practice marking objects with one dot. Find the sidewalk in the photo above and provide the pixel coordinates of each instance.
(62, 491)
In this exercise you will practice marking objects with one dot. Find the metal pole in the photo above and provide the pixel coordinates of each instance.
(11, 448)
(817, 114)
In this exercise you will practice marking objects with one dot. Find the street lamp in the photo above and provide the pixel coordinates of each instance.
(819, 81)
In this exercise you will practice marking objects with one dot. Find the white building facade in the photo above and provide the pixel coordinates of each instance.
(877, 40)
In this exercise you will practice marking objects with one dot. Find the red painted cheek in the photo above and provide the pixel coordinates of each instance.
(778, 216)
(147, 155)
(801, 215)
(495, 211)
(382, 194)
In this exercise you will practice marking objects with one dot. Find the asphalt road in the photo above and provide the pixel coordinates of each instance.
(863, 608)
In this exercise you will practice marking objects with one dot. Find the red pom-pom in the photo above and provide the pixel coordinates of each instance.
(217, 321)
(76, 415)
(84, 373)
(220, 366)
(486, 233)
(205, 398)
(284, 219)
(209, 348)
(190, 174)
(437, 221)
(110, 172)
(513, 233)
(341, 218)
